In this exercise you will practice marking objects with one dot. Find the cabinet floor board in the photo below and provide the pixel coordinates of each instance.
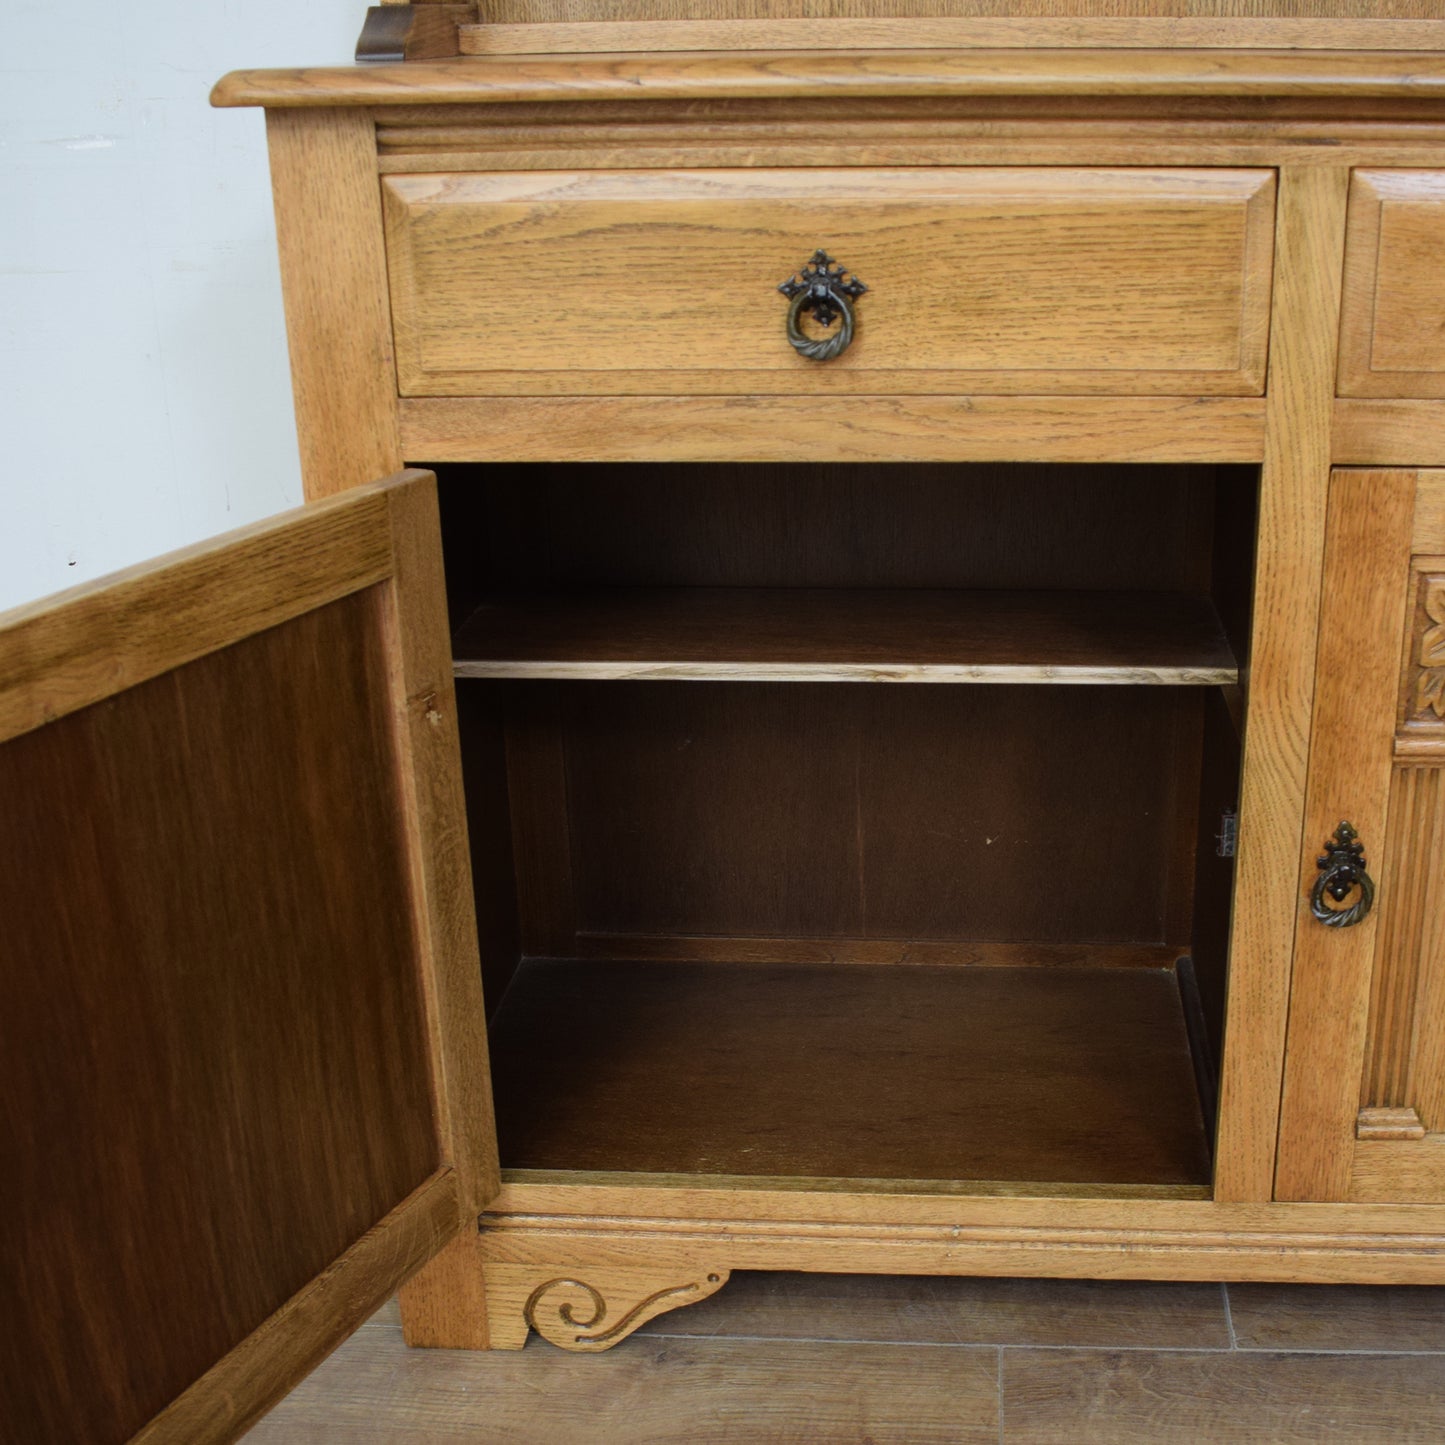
(1048, 1074)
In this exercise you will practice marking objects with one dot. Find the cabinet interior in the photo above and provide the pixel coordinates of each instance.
(853, 821)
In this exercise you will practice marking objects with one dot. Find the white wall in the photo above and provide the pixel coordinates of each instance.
(144, 396)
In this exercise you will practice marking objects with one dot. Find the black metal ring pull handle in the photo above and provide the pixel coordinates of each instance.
(825, 289)
(1342, 872)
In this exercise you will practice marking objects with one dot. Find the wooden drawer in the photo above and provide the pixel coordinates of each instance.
(1392, 326)
(980, 280)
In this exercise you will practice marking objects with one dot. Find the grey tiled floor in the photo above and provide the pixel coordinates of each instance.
(821, 1358)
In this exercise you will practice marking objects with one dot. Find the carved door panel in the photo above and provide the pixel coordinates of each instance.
(245, 1085)
(1363, 1110)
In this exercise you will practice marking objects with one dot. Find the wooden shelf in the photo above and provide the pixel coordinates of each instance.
(879, 635)
(1067, 1075)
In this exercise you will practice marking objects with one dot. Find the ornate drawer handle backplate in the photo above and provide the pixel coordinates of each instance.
(821, 288)
(1342, 871)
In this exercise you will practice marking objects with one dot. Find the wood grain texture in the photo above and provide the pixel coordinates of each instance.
(1392, 328)
(1017, 12)
(239, 1074)
(236, 985)
(804, 635)
(69, 651)
(333, 279)
(960, 815)
(779, 1070)
(1003, 1312)
(1289, 557)
(291, 1343)
(1383, 433)
(1375, 1122)
(1362, 622)
(884, 429)
(585, 1315)
(1057, 280)
(444, 1304)
(650, 1392)
(1402, 1021)
(1140, 1398)
(1378, 1319)
(552, 37)
(441, 873)
(888, 528)
(1184, 72)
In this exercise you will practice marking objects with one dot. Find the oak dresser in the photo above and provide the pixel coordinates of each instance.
(861, 687)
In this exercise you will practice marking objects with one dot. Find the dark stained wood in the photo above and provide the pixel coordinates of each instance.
(484, 775)
(1143, 1397)
(831, 525)
(718, 809)
(1026, 1074)
(1011, 814)
(215, 1064)
(1213, 883)
(882, 634)
(969, 814)
(411, 32)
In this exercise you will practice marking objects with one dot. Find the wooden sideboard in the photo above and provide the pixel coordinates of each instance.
(888, 809)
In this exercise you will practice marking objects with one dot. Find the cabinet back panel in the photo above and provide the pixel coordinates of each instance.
(213, 1032)
(997, 814)
(833, 525)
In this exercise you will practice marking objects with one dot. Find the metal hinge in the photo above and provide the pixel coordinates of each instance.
(1226, 840)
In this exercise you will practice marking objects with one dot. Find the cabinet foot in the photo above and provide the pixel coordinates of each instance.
(461, 1301)
(584, 1309)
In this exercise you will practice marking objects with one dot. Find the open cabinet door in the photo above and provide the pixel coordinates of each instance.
(245, 1089)
(1363, 1109)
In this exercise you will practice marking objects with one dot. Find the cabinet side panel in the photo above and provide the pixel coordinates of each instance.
(216, 1062)
(338, 314)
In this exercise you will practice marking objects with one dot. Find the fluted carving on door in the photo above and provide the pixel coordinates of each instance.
(1405, 1062)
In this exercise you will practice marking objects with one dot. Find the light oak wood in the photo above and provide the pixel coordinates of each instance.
(1388, 1123)
(426, 723)
(1035, 130)
(1408, 948)
(1290, 551)
(333, 278)
(1392, 329)
(885, 429)
(803, 634)
(980, 280)
(1031, 12)
(444, 1304)
(1343, 74)
(1362, 623)
(589, 1314)
(553, 37)
(1383, 433)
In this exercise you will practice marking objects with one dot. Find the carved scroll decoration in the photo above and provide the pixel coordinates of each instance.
(574, 1315)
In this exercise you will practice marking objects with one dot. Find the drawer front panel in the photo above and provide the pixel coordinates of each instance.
(1007, 280)
(1392, 328)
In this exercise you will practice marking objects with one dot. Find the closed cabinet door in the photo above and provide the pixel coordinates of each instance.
(245, 1086)
(1363, 1109)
